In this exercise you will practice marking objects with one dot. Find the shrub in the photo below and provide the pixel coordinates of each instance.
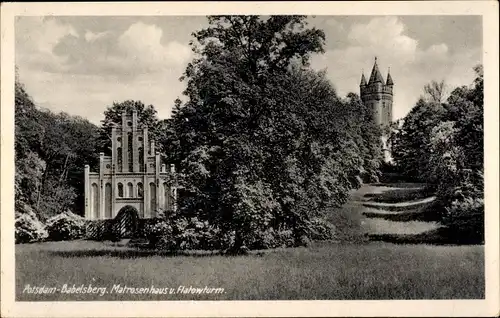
(159, 235)
(65, 226)
(321, 230)
(28, 228)
(272, 238)
(179, 233)
(465, 217)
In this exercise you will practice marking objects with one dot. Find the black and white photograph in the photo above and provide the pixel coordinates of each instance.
(256, 156)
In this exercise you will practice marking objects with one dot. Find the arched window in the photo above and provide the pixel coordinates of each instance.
(120, 190)
(119, 154)
(140, 190)
(130, 189)
(130, 153)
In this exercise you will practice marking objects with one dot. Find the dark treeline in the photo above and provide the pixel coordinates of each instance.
(50, 153)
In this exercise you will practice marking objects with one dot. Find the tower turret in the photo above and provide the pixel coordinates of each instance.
(389, 79)
(363, 80)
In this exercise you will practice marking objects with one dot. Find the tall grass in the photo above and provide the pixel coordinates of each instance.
(329, 271)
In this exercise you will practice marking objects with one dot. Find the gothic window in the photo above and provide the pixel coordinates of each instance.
(140, 190)
(120, 190)
(141, 159)
(130, 189)
(130, 152)
(119, 154)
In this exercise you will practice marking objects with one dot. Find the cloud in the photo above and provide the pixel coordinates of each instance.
(40, 34)
(411, 65)
(52, 46)
(90, 36)
(82, 73)
(36, 38)
(142, 47)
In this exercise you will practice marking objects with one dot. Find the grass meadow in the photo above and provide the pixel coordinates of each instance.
(374, 270)
(353, 268)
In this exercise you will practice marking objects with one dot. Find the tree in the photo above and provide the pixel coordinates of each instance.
(442, 144)
(411, 142)
(51, 152)
(434, 92)
(260, 142)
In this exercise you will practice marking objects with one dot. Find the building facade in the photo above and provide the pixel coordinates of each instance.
(378, 94)
(132, 176)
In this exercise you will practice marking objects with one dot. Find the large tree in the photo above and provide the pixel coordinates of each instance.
(260, 141)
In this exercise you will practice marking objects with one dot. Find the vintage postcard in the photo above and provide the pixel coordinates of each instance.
(250, 159)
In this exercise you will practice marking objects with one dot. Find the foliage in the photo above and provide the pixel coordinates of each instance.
(51, 151)
(28, 228)
(262, 141)
(177, 233)
(435, 92)
(443, 145)
(65, 226)
(410, 144)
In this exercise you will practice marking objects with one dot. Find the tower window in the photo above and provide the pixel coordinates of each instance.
(129, 123)
(140, 138)
(119, 139)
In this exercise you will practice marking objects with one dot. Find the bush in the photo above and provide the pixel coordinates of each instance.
(179, 233)
(465, 217)
(272, 238)
(321, 230)
(65, 226)
(28, 228)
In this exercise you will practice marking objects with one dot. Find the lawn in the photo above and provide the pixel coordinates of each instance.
(353, 268)
(374, 270)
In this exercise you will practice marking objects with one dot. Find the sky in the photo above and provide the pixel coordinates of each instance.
(81, 65)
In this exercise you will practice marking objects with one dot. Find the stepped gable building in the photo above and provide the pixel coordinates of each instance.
(378, 94)
(132, 176)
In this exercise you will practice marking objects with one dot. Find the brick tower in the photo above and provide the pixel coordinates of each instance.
(378, 95)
